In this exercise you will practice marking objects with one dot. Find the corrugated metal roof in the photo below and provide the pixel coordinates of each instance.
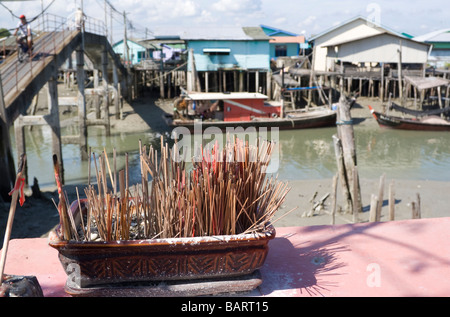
(372, 36)
(256, 33)
(271, 31)
(380, 27)
(213, 33)
(436, 36)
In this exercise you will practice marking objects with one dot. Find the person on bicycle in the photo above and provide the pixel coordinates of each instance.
(24, 30)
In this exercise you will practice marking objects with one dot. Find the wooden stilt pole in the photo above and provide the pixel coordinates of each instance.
(391, 201)
(334, 199)
(356, 202)
(373, 208)
(416, 208)
(380, 197)
(399, 74)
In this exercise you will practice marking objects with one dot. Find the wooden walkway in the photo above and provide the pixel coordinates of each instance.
(21, 81)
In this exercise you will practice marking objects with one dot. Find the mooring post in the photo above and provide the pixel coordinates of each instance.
(380, 197)
(373, 208)
(347, 137)
(391, 201)
(341, 171)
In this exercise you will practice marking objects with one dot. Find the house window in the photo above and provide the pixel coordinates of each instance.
(280, 50)
(141, 55)
(216, 51)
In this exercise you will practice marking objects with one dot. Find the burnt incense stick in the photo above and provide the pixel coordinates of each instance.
(225, 193)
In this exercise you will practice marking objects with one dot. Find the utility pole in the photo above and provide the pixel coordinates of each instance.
(125, 41)
(146, 50)
(106, 21)
(110, 25)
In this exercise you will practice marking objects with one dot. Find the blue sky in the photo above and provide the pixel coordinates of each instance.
(297, 16)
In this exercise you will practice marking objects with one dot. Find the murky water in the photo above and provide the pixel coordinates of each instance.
(303, 154)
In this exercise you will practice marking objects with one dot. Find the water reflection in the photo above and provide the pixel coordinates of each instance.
(399, 154)
(303, 154)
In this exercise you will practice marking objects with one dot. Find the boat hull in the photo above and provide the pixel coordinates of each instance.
(327, 119)
(408, 124)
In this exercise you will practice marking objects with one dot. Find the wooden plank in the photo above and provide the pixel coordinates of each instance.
(423, 83)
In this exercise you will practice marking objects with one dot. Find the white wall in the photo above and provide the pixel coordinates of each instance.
(381, 48)
(353, 30)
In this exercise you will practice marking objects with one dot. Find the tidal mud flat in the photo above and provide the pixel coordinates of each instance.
(38, 216)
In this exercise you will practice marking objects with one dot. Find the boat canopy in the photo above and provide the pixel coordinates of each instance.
(225, 96)
(419, 113)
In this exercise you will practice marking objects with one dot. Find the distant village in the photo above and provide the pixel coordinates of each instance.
(358, 58)
(362, 55)
(358, 54)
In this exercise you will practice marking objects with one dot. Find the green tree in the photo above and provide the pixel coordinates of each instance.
(4, 33)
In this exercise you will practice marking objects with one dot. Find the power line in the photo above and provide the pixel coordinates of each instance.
(31, 20)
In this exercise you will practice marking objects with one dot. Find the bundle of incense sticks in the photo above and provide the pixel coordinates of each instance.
(225, 193)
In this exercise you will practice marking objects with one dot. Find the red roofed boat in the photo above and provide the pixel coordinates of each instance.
(243, 109)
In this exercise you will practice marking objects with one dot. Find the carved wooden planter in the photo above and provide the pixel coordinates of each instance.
(90, 264)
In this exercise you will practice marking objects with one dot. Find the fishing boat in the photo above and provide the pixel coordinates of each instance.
(420, 121)
(243, 109)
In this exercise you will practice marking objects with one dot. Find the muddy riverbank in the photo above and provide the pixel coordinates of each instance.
(39, 215)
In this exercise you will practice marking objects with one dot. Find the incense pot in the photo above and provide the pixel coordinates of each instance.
(89, 264)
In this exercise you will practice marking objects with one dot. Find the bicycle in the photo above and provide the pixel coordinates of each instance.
(22, 49)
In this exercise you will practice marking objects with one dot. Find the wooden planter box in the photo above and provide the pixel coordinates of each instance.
(91, 264)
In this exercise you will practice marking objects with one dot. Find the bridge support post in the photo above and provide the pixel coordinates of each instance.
(81, 103)
(96, 97)
(52, 93)
(7, 169)
(51, 119)
(116, 93)
(106, 90)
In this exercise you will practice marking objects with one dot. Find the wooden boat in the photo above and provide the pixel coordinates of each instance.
(223, 110)
(420, 123)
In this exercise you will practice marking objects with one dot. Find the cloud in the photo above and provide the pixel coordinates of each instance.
(206, 17)
(280, 21)
(309, 20)
(156, 10)
(237, 7)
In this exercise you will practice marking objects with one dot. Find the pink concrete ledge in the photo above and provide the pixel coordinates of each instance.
(390, 259)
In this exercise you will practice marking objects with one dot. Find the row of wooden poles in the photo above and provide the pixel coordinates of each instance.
(345, 152)
(377, 202)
